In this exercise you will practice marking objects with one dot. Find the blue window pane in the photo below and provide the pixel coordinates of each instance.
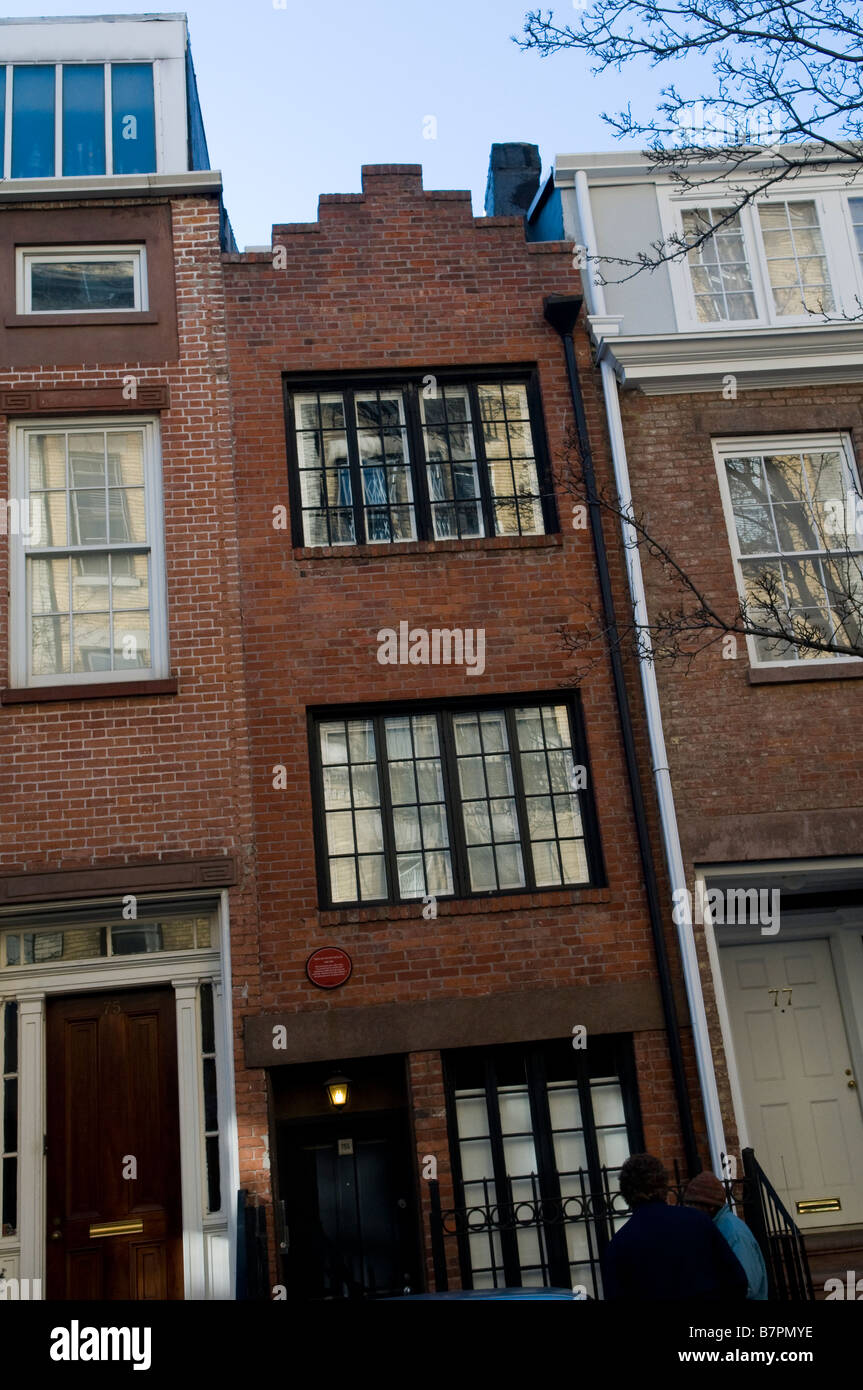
(2, 119)
(83, 119)
(133, 118)
(32, 122)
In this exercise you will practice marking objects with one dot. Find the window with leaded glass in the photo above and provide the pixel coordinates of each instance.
(457, 800)
(427, 458)
(792, 508)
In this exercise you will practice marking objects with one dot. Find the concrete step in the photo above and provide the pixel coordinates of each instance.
(832, 1253)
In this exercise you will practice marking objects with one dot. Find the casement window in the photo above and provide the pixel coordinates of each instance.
(88, 590)
(767, 264)
(426, 458)
(538, 1134)
(77, 119)
(793, 513)
(477, 799)
(81, 279)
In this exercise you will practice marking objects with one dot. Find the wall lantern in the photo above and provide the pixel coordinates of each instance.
(338, 1090)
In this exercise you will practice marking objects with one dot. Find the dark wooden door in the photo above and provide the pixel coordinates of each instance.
(351, 1214)
(113, 1147)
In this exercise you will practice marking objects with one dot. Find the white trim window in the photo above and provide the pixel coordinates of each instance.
(772, 264)
(81, 279)
(792, 508)
(718, 267)
(855, 212)
(88, 589)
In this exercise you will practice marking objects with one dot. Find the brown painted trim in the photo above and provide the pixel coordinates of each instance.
(150, 395)
(785, 675)
(322, 1034)
(772, 418)
(99, 316)
(59, 884)
(44, 694)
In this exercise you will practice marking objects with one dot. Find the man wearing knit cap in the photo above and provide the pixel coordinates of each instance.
(707, 1194)
(666, 1252)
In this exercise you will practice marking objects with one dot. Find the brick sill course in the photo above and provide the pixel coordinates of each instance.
(43, 694)
(392, 551)
(462, 907)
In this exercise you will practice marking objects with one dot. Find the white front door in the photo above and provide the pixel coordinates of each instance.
(801, 1100)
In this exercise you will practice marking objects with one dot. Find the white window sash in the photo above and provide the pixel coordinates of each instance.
(20, 625)
(759, 446)
(28, 256)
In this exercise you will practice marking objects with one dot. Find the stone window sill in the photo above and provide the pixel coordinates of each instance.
(109, 690)
(806, 671)
(97, 319)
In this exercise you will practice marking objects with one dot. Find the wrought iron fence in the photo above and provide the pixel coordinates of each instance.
(513, 1239)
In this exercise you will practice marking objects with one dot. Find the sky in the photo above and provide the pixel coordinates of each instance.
(296, 99)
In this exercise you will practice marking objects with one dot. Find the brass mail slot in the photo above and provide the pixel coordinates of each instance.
(818, 1204)
(116, 1228)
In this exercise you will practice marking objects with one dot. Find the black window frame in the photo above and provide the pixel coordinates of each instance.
(609, 1054)
(378, 712)
(412, 382)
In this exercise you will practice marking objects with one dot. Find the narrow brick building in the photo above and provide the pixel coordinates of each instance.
(452, 993)
(125, 825)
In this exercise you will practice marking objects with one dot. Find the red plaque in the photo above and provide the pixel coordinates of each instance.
(329, 967)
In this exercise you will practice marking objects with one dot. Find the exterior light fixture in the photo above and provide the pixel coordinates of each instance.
(338, 1090)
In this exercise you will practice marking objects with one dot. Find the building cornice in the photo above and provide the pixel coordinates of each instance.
(680, 362)
(193, 181)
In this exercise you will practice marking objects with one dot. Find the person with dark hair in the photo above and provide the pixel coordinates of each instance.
(665, 1252)
(706, 1193)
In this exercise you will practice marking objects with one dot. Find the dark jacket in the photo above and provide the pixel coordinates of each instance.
(668, 1252)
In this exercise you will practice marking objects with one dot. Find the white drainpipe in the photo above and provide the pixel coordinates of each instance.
(595, 295)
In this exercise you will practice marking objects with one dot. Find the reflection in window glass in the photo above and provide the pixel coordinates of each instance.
(33, 122)
(133, 118)
(718, 267)
(791, 521)
(796, 260)
(83, 119)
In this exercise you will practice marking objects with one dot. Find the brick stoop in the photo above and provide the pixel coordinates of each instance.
(832, 1253)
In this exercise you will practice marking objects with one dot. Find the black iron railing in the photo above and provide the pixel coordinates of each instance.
(513, 1238)
(781, 1242)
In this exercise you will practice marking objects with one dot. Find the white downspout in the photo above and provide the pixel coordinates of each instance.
(595, 295)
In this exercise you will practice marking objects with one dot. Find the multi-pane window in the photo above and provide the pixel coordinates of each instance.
(451, 802)
(211, 1100)
(793, 508)
(82, 279)
(80, 119)
(718, 266)
(429, 459)
(795, 257)
(105, 934)
(89, 593)
(539, 1134)
(9, 1118)
(767, 262)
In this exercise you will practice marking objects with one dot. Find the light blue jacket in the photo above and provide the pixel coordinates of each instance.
(747, 1250)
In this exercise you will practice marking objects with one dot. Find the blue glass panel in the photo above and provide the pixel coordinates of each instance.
(133, 118)
(2, 118)
(83, 119)
(32, 122)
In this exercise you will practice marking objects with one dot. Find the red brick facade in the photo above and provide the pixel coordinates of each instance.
(397, 279)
